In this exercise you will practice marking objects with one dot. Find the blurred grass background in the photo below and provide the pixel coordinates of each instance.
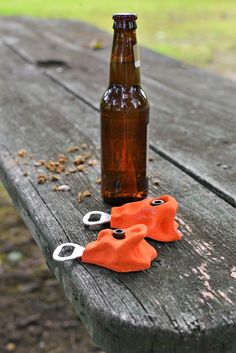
(200, 32)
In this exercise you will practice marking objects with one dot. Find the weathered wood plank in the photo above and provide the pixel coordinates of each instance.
(195, 132)
(186, 301)
(181, 76)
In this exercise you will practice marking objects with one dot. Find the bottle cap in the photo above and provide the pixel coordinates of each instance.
(124, 20)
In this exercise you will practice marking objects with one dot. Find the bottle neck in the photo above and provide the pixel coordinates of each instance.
(125, 62)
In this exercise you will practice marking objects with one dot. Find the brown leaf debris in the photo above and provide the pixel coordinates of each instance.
(82, 195)
(81, 168)
(98, 181)
(54, 177)
(84, 146)
(72, 149)
(22, 153)
(41, 178)
(79, 159)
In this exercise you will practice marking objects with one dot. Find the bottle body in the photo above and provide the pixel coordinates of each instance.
(124, 126)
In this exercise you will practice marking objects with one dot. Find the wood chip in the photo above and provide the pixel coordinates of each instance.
(22, 153)
(92, 162)
(54, 177)
(61, 188)
(71, 170)
(81, 168)
(79, 159)
(50, 166)
(62, 159)
(87, 155)
(60, 169)
(37, 164)
(84, 146)
(151, 159)
(72, 149)
(62, 156)
(98, 181)
(41, 178)
(83, 195)
(156, 181)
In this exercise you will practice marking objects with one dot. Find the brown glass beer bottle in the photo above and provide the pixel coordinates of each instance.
(124, 120)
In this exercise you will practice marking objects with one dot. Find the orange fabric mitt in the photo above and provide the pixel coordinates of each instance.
(158, 214)
(121, 250)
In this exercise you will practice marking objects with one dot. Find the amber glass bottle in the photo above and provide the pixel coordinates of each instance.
(124, 120)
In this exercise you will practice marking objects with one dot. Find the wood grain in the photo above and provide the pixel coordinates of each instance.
(186, 301)
(192, 111)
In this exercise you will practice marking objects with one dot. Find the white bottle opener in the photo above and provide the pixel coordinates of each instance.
(104, 218)
(77, 252)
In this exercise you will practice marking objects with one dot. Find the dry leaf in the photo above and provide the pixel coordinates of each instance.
(84, 146)
(71, 170)
(72, 149)
(79, 160)
(98, 181)
(22, 153)
(54, 177)
(83, 195)
(60, 169)
(62, 159)
(50, 166)
(61, 155)
(87, 155)
(41, 178)
(81, 168)
(37, 164)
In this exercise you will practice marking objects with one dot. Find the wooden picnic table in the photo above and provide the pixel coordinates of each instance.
(51, 82)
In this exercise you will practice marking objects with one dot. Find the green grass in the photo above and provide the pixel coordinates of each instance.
(201, 32)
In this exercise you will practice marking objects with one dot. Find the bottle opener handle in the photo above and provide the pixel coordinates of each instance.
(77, 252)
(104, 218)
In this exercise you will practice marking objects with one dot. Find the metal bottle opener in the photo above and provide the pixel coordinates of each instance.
(104, 218)
(77, 252)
